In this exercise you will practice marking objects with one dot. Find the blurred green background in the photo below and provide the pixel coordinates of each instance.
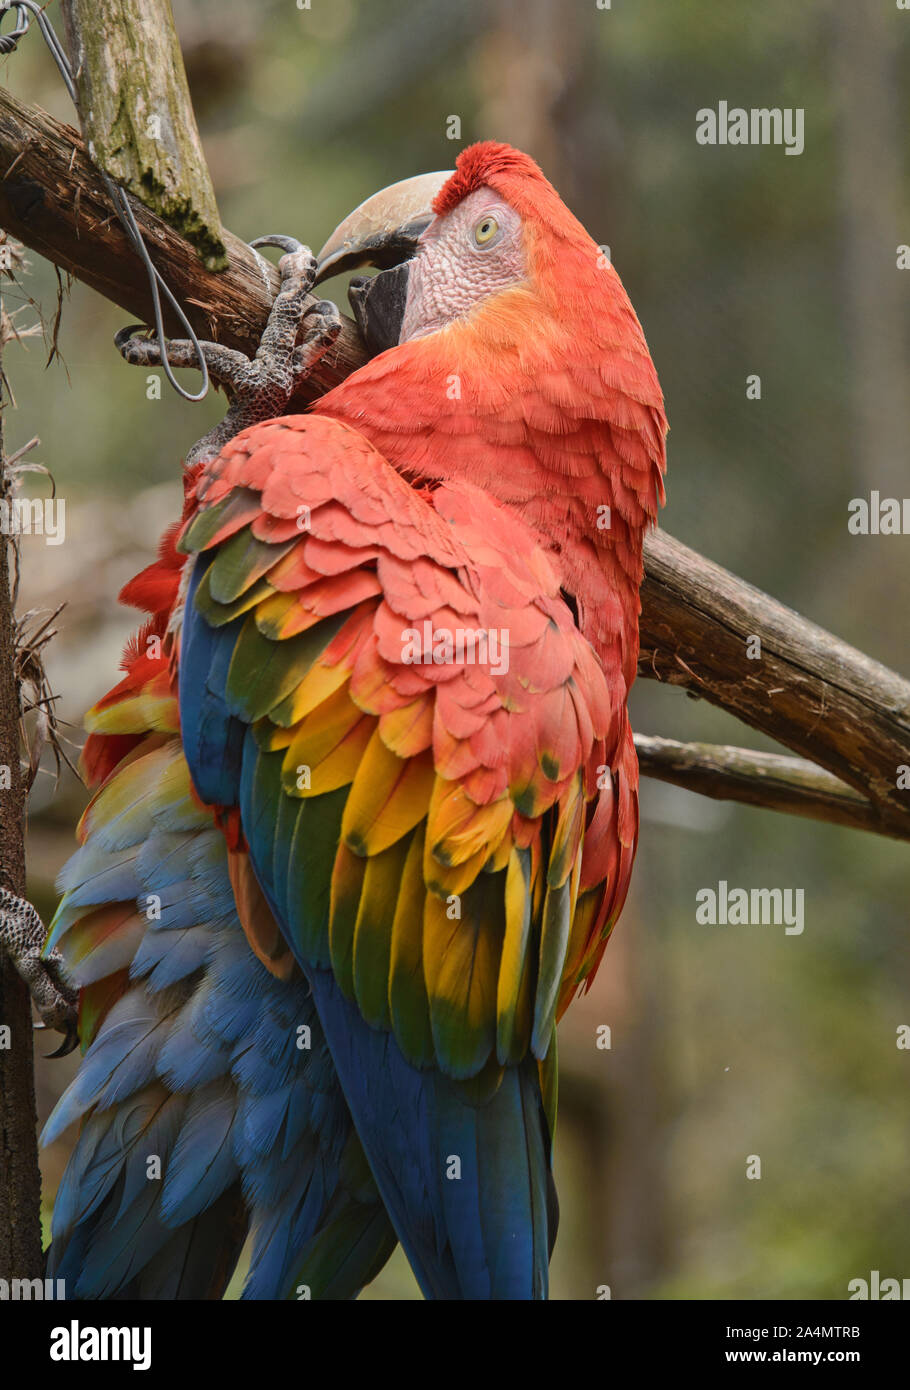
(727, 1042)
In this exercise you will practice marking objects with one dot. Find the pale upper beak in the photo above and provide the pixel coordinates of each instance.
(382, 231)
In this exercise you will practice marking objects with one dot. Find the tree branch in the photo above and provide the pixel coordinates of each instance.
(810, 691)
(770, 780)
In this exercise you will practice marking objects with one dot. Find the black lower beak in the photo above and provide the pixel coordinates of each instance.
(379, 303)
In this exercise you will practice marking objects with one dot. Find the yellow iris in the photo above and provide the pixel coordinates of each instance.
(485, 230)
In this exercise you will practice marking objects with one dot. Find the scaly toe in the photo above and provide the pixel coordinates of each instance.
(135, 349)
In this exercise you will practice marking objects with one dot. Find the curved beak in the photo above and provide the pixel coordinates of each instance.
(382, 231)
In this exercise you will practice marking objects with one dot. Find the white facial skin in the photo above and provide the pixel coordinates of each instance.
(470, 253)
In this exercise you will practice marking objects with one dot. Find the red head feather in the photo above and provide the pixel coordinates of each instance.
(488, 164)
(516, 178)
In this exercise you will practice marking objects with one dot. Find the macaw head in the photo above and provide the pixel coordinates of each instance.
(447, 242)
(444, 242)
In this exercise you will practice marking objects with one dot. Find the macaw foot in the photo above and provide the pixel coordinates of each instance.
(22, 935)
(257, 389)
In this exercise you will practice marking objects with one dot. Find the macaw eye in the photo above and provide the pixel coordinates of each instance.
(485, 230)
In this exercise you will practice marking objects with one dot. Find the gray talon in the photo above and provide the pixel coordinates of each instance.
(258, 388)
(22, 935)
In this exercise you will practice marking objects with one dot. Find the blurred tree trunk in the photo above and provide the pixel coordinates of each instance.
(527, 63)
(613, 1101)
(868, 130)
(870, 141)
(636, 1233)
(533, 61)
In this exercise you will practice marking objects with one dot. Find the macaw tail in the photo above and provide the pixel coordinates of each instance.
(464, 1177)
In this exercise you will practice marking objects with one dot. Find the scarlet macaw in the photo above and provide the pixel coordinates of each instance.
(366, 797)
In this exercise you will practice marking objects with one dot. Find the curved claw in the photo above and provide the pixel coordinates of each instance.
(285, 243)
(69, 1044)
(123, 335)
(70, 1041)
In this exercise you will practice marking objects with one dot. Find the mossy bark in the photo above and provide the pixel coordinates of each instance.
(137, 117)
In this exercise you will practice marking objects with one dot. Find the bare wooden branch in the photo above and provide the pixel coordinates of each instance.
(820, 697)
(770, 780)
(815, 694)
(136, 113)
